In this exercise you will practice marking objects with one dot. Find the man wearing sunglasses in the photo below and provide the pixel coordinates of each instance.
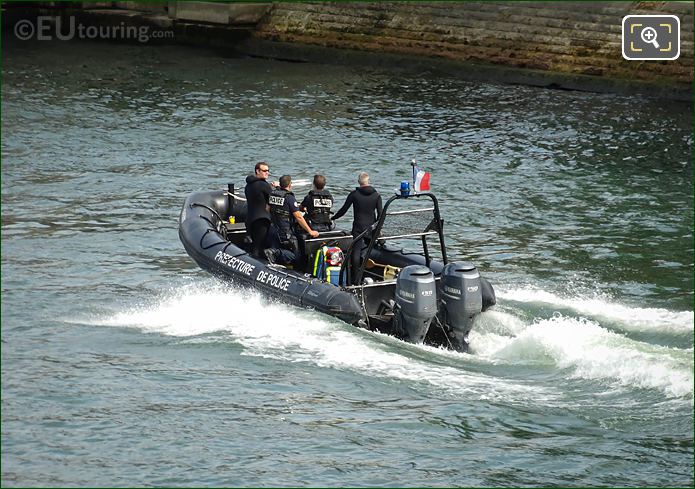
(257, 192)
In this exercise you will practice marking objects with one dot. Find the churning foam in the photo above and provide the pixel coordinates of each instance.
(591, 352)
(580, 346)
(295, 335)
(631, 318)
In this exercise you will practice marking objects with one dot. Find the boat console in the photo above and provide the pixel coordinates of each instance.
(310, 246)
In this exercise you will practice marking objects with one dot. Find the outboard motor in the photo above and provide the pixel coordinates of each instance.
(416, 302)
(462, 300)
(489, 298)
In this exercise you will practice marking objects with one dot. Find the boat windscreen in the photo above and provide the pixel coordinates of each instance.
(407, 221)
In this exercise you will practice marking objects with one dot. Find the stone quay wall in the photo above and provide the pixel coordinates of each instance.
(575, 39)
(564, 37)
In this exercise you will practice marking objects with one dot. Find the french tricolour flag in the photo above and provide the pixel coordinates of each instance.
(422, 180)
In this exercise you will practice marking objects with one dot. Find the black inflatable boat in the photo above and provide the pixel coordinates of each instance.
(416, 296)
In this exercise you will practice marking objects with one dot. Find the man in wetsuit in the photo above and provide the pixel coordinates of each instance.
(284, 211)
(257, 192)
(317, 205)
(367, 207)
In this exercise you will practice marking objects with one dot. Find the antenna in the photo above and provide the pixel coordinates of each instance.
(414, 165)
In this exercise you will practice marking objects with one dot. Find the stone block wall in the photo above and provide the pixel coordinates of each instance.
(217, 13)
(561, 37)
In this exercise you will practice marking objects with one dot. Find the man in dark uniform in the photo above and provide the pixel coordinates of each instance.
(317, 205)
(257, 192)
(284, 211)
(367, 207)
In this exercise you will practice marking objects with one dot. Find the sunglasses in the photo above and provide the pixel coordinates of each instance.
(266, 170)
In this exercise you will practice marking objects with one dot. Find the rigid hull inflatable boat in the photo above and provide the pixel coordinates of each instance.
(416, 296)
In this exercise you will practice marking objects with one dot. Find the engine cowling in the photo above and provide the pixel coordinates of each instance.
(416, 302)
(462, 301)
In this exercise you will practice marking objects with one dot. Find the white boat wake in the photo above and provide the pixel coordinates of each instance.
(578, 347)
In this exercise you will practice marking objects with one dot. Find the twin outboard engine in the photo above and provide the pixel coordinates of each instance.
(462, 300)
(416, 302)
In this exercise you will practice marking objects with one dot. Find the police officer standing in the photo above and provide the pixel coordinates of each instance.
(366, 203)
(367, 206)
(284, 212)
(257, 192)
(317, 205)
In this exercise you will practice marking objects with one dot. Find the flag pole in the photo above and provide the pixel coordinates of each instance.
(413, 164)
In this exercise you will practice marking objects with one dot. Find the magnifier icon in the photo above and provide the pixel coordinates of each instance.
(648, 35)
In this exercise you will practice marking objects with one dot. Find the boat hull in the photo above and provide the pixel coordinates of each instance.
(204, 242)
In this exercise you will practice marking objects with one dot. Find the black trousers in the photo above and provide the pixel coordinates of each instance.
(356, 258)
(258, 230)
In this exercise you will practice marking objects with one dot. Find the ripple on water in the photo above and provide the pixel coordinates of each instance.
(119, 352)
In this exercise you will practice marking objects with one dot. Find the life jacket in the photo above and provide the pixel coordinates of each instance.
(319, 209)
(279, 214)
(327, 264)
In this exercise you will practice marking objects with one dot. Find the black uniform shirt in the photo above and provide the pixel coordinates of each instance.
(367, 207)
(290, 206)
(257, 192)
